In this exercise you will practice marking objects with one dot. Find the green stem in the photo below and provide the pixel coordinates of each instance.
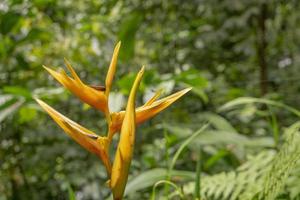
(198, 177)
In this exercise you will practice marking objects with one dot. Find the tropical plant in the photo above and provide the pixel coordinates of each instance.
(123, 121)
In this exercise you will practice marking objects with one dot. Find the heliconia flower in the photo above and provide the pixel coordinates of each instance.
(147, 111)
(125, 148)
(124, 121)
(95, 96)
(86, 138)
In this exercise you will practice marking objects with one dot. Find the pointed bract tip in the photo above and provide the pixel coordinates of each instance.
(49, 70)
(46, 68)
(160, 91)
(66, 60)
(38, 100)
(184, 91)
(118, 44)
(188, 89)
(107, 183)
(142, 70)
(42, 103)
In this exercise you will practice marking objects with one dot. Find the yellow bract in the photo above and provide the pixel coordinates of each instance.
(147, 111)
(84, 92)
(86, 138)
(97, 97)
(112, 69)
(124, 151)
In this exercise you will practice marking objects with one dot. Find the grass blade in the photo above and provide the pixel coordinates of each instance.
(184, 144)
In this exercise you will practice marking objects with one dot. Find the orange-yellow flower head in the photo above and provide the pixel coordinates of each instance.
(124, 121)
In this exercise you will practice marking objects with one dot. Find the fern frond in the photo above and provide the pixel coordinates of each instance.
(283, 164)
(241, 184)
(263, 176)
(292, 186)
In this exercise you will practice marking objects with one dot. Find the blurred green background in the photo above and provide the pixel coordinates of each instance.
(223, 49)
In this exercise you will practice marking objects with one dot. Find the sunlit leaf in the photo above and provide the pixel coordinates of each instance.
(149, 178)
(8, 105)
(249, 100)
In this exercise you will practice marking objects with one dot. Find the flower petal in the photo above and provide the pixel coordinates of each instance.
(74, 74)
(112, 69)
(152, 99)
(89, 95)
(86, 138)
(124, 152)
(146, 111)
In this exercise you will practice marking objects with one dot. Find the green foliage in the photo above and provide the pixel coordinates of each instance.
(284, 163)
(214, 46)
(127, 34)
(148, 178)
(293, 183)
(249, 100)
(263, 176)
(8, 105)
(8, 21)
(169, 183)
(71, 193)
(243, 183)
(184, 144)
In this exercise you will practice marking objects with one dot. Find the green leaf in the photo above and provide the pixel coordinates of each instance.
(27, 114)
(184, 145)
(220, 137)
(18, 91)
(197, 192)
(214, 158)
(250, 100)
(71, 193)
(218, 122)
(125, 83)
(37, 34)
(49, 92)
(181, 130)
(169, 183)
(198, 91)
(192, 77)
(217, 137)
(8, 21)
(8, 105)
(149, 178)
(127, 33)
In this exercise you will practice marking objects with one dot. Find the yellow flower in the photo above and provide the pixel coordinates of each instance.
(125, 148)
(147, 111)
(126, 121)
(96, 96)
(86, 138)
